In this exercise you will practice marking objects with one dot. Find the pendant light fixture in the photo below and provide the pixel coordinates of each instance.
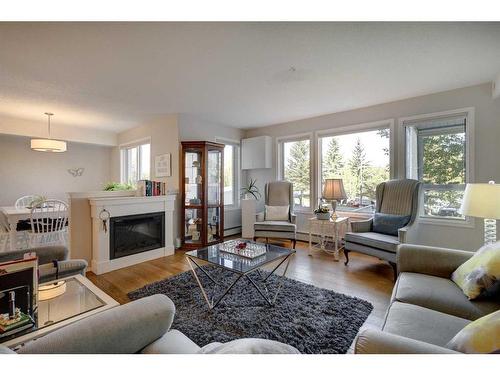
(48, 144)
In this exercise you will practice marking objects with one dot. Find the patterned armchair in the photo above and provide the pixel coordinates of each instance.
(396, 197)
(278, 193)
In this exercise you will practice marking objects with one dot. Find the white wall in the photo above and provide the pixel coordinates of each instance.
(23, 171)
(487, 152)
(192, 128)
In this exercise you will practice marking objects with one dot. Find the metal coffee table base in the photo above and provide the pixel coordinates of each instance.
(210, 302)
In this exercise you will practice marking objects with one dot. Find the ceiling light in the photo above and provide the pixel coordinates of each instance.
(48, 144)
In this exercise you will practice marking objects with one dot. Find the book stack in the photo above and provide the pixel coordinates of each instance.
(148, 188)
(18, 323)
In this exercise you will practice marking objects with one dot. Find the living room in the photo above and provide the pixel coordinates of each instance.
(250, 188)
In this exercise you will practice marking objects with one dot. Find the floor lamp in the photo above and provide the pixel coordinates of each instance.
(483, 200)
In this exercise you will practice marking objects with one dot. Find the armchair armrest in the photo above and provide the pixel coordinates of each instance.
(293, 218)
(434, 261)
(259, 216)
(402, 232)
(124, 329)
(371, 341)
(47, 272)
(362, 226)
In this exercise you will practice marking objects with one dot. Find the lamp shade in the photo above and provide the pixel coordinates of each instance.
(46, 292)
(334, 189)
(48, 145)
(481, 200)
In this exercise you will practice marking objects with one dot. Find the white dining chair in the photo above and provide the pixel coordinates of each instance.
(27, 200)
(21, 237)
(49, 221)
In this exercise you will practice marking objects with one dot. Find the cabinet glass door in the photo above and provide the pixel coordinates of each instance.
(214, 177)
(213, 224)
(193, 221)
(193, 183)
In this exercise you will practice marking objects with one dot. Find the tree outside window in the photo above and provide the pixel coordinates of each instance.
(297, 170)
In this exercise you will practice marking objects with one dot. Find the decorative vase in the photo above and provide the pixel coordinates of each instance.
(323, 216)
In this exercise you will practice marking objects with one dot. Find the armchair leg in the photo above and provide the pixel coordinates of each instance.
(267, 240)
(255, 238)
(394, 269)
(294, 243)
(346, 254)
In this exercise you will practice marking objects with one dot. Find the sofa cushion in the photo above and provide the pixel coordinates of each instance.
(440, 294)
(481, 336)
(172, 342)
(480, 272)
(372, 239)
(275, 226)
(249, 346)
(420, 323)
(389, 224)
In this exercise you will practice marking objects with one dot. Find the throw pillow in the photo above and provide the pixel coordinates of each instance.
(480, 272)
(277, 213)
(482, 336)
(249, 346)
(389, 224)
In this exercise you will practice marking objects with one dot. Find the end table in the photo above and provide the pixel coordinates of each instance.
(329, 234)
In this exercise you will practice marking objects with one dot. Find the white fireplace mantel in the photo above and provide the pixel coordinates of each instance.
(122, 206)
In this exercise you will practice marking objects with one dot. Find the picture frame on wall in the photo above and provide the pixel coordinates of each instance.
(163, 166)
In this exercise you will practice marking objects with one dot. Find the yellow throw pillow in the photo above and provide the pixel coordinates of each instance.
(480, 272)
(482, 336)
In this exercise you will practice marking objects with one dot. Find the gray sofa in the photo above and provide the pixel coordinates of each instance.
(46, 257)
(427, 308)
(141, 326)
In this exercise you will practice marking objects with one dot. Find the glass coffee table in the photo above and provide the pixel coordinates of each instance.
(240, 265)
(73, 300)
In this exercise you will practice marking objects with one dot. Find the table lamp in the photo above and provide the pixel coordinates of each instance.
(333, 191)
(483, 200)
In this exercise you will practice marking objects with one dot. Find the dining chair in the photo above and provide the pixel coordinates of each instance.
(49, 221)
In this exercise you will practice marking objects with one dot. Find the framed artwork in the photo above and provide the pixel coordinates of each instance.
(163, 166)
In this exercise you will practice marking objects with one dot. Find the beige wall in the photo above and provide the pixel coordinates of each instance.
(23, 171)
(486, 158)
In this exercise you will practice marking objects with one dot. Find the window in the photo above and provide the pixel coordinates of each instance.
(295, 166)
(135, 163)
(437, 156)
(231, 170)
(361, 160)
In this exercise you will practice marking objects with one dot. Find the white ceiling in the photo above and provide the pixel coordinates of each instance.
(112, 76)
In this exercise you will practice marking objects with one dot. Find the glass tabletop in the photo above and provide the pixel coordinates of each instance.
(64, 301)
(237, 263)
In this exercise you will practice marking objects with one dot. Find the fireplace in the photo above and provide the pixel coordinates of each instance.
(134, 234)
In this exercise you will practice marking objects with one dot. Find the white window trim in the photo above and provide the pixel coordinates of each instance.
(236, 171)
(124, 146)
(312, 159)
(356, 128)
(404, 122)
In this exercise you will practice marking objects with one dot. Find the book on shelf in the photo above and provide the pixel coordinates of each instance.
(148, 188)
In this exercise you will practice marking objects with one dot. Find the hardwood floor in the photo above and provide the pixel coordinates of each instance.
(365, 277)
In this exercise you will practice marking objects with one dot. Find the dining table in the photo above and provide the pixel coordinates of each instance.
(14, 214)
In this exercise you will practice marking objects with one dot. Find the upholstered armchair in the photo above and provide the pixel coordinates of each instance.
(277, 194)
(53, 261)
(395, 197)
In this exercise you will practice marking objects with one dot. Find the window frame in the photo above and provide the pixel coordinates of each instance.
(352, 129)
(236, 170)
(124, 147)
(280, 165)
(410, 122)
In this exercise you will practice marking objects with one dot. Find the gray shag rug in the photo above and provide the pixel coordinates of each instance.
(314, 320)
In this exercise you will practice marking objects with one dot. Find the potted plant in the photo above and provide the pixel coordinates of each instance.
(117, 186)
(322, 212)
(251, 189)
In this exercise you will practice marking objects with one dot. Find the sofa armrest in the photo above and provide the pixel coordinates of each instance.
(124, 329)
(45, 254)
(259, 216)
(371, 341)
(434, 261)
(362, 226)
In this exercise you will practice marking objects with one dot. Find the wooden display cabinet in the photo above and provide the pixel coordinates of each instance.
(202, 194)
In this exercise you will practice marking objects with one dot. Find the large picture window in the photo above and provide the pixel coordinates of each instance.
(437, 156)
(295, 159)
(361, 160)
(231, 171)
(135, 162)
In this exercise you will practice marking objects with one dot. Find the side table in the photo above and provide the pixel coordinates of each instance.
(329, 235)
